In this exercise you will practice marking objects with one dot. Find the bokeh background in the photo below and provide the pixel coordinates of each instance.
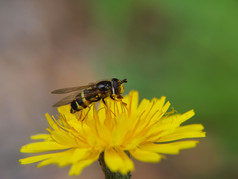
(185, 50)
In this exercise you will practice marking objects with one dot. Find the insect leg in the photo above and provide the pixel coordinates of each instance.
(86, 113)
(103, 101)
(97, 98)
(112, 97)
(119, 97)
(78, 114)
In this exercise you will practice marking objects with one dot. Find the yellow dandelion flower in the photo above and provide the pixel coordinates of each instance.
(145, 131)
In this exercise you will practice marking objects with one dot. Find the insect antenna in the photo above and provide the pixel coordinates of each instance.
(124, 81)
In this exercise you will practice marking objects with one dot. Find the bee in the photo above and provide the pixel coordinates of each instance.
(81, 97)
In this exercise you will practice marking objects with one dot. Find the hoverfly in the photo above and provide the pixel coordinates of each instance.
(81, 97)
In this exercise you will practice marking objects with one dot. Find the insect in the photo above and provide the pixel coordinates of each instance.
(81, 97)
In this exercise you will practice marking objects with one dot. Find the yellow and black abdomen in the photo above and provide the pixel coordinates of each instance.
(83, 100)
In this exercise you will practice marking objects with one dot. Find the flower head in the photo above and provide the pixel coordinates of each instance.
(146, 131)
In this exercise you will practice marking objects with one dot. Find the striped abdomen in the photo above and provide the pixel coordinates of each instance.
(83, 100)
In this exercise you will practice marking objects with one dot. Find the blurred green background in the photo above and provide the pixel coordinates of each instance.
(185, 50)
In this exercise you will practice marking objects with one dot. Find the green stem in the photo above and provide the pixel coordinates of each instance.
(108, 173)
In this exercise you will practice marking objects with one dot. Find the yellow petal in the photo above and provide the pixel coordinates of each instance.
(183, 133)
(113, 159)
(184, 117)
(145, 156)
(77, 167)
(40, 136)
(51, 122)
(42, 147)
(34, 159)
(143, 107)
(133, 101)
(65, 111)
(132, 143)
(117, 160)
(160, 102)
(128, 164)
(69, 157)
(165, 107)
(170, 148)
(190, 127)
(38, 158)
(158, 109)
(62, 137)
(118, 134)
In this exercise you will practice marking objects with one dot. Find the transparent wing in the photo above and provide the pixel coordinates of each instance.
(69, 90)
(67, 100)
(75, 96)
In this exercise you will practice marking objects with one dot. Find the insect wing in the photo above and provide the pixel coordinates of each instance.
(76, 96)
(66, 100)
(69, 90)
